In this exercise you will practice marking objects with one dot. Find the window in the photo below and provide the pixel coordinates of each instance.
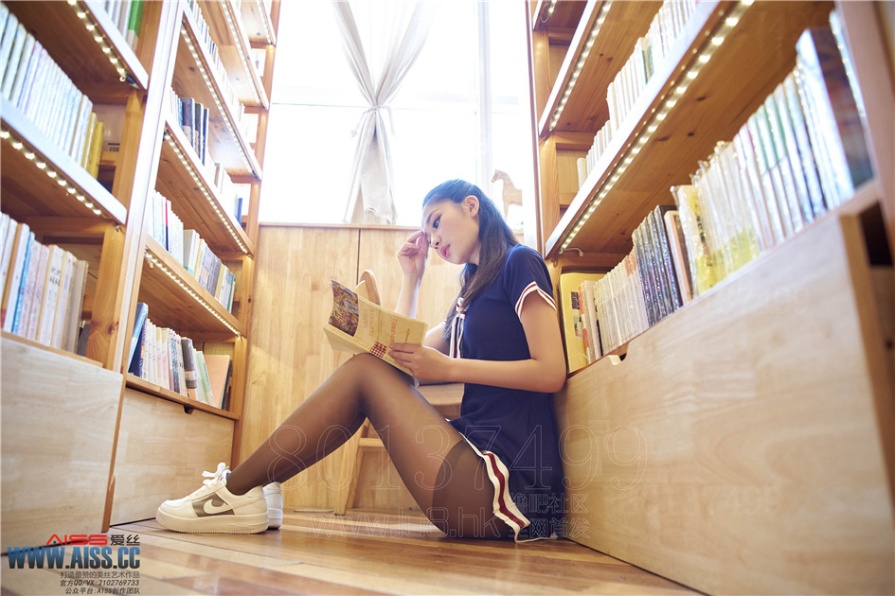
(462, 111)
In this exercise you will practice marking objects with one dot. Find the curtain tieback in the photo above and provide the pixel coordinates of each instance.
(375, 109)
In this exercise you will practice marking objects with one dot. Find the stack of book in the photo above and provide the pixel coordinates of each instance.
(42, 288)
(190, 250)
(44, 95)
(163, 357)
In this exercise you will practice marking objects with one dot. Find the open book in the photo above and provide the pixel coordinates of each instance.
(358, 325)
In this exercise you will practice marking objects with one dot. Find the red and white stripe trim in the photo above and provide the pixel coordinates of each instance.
(533, 287)
(503, 505)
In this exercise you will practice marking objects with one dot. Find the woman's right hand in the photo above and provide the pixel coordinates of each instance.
(412, 256)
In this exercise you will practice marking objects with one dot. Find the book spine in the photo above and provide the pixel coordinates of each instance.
(803, 143)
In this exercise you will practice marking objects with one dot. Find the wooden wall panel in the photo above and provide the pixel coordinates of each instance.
(59, 414)
(289, 356)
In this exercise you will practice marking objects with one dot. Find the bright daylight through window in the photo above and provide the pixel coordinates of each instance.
(462, 111)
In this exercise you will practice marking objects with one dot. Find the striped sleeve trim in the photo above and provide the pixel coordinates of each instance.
(533, 287)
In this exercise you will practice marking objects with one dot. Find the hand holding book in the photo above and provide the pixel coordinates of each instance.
(358, 325)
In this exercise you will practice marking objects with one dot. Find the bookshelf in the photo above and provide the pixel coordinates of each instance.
(720, 446)
(139, 430)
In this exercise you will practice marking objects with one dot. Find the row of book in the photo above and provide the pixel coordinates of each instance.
(802, 153)
(192, 117)
(223, 80)
(127, 16)
(163, 357)
(33, 83)
(647, 57)
(42, 287)
(604, 311)
(190, 250)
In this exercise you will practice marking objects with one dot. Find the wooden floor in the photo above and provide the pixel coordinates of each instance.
(361, 553)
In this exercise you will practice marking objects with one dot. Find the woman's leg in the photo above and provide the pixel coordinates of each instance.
(443, 473)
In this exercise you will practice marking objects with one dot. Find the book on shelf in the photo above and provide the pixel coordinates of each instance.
(578, 336)
(189, 250)
(126, 17)
(202, 380)
(678, 251)
(43, 288)
(220, 369)
(140, 313)
(801, 153)
(189, 368)
(825, 88)
(357, 325)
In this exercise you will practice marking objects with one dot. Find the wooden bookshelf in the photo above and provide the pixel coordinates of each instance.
(177, 300)
(31, 190)
(62, 28)
(103, 223)
(720, 447)
(180, 178)
(233, 44)
(259, 26)
(225, 136)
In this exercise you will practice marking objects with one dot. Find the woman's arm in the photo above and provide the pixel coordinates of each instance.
(412, 256)
(544, 371)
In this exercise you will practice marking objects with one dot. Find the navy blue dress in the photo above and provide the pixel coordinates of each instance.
(516, 427)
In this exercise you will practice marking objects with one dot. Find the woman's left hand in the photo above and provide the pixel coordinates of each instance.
(425, 363)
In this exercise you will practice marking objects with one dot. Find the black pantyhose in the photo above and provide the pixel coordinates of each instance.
(443, 473)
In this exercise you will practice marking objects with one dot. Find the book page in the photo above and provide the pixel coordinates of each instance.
(362, 326)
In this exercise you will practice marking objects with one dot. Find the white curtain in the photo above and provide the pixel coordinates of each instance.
(370, 199)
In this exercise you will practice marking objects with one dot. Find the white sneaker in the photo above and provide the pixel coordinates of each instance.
(273, 494)
(215, 510)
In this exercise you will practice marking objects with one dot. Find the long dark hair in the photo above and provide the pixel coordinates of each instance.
(495, 240)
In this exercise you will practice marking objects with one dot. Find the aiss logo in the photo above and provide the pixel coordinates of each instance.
(78, 539)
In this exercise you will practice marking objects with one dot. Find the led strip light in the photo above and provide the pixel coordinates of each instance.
(47, 169)
(265, 18)
(550, 8)
(668, 102)
(200, 183)
(157, 263)
(582, 59)
(246, 64)
(214, 95)
(108, 49)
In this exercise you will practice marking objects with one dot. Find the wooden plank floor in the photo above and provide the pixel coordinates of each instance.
(363, 552)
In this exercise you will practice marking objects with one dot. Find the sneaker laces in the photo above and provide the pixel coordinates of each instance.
(218, 475)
